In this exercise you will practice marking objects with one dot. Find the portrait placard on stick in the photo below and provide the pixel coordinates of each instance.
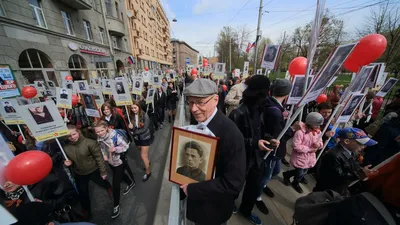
(137, 86)
(350, 107)
(361, 80)
(106, 86)
(156, 81)
(81, 86)
(64, 98)
(98, 97)
(387, 87)
(246, 69)
(269, 57)
(146, 76)
(90, 105)
(44, 120)
(121, 94)
(193, 157)
(9, 112)
(8, 85)
(297, 88)
(150, 95)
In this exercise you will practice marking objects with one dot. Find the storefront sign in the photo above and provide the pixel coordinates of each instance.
(92, 50)
(8, 86)
(102, 59)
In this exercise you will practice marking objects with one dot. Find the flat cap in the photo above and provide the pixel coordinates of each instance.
(201, 88)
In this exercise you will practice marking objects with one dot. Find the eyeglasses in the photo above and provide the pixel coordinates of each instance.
(199, 104)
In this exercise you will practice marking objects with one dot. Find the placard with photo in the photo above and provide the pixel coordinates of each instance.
(332, 81)
(297, 88)
(8, 110)
(44, 120)
(98, 97)
(121, 94)
(361, 79)
(246, 69)
(377, 72)
(137, 87)
(81, 86)
(219, 68)
(150, 95)
(193, 157)
(90, 105)
(107, 86)
(156, 81)
(40, 85)
(51, 84)
(8, 84)
(95, 82)
(350, 107)
(269, 57)
(51, 92)
(381, 79)
(146, 76)
(64, 98)
(330, 68)
(387, 87)
(23, 101)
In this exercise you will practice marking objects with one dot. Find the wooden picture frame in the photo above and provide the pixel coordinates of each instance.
(198, 163)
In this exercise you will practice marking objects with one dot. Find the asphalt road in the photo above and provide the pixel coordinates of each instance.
(138, 207)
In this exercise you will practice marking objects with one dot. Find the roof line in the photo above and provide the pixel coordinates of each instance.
(182, 42)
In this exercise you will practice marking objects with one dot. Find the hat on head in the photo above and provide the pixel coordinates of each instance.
(356, 134)
(201, 88)
(281, 87)
(256, 84)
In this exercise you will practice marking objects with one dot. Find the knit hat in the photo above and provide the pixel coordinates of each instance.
(281, 87)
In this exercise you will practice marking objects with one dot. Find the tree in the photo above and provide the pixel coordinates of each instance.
(386, 21)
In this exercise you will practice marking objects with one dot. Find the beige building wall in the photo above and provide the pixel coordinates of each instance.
(149, 33)
(181, 51)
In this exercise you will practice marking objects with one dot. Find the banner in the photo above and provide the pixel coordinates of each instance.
(44, 120)
(9, 113)
(270, 56)
(64, 98)
(8, 85)
(120, 91)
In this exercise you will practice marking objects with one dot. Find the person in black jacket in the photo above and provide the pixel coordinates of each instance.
(211, 202)
(247, 118)
(274, 120)
(172, 98)
(160, 101)
(113, 119)
(339, 167)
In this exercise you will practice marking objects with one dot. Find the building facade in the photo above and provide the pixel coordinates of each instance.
(47, 39)
(149, 34)
(183, 54)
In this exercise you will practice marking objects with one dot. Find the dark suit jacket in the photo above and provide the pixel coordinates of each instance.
(211, 202)
(160, 101)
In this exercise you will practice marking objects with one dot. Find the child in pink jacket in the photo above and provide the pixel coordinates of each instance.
(306, 141)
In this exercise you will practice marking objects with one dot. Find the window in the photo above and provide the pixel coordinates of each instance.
(101, 31)
(108, 7)
(116, 9)
(88, 30)
(37, 13)
(67, 22)
(35, 66)
(117, 42)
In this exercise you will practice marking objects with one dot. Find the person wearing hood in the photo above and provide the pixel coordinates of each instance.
(113, 146)
(274, 118)
(87, 163)
(247, 118)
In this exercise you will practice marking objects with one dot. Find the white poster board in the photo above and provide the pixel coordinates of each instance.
(64, 98)
(381, 79)
(146, 76)
(106, 86)
(90, 105)
(237, 72)
(259, 72)
(387, 87)
(361, 79)
(98, 97)
(270, 56)
(8, 110)
(137, 87)
(81, 86)
(330, 68)
(44, 120)
(350, 107)
(156, 81)
(8, 84)
(95, 82)
(246, 69)
(296, 93)
(150, 95)
(121, 94)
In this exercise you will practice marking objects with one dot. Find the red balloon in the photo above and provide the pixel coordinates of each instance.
(29, 92)
(20, 139)
(351, 66)
(194, 71)
(298, 66)
(205, 64)
(75, 100)
(368, 49)
(146, 68)
(68, 78)
(166, 70)
(28, 167)
(322, 98)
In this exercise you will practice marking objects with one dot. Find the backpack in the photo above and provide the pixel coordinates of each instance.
(121, 133)
(314, 208)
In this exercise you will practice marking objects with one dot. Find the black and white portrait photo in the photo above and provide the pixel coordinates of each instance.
(389, 85)
(108, 84)
(82, 86)
(151, 92)
(88, 101)
(119, 86)
(352, 105)
(270, 53)
(193, 154)
(155, 79)
(8, 107)
(361, 79)
(41, 115)
(137, 84)
(219, 68)
(51, 83)
(64, 93)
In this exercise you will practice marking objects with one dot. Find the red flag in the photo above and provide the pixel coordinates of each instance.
(249, 46)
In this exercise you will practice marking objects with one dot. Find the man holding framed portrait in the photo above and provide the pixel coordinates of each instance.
(211, 201)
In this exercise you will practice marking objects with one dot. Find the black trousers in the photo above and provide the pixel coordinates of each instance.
(118, 176)
(297, 173)
(161, 114)
(127, 168)
(251, 189)
(82, 183)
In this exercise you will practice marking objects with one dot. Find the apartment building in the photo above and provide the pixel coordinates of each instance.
(149, 34)
(50, 39)
(183, 54)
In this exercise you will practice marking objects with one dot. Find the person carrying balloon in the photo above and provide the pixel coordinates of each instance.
(114, 144)
(87, 163)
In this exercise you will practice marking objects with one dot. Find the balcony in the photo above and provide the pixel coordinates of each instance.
(115, 26)
(77, 4)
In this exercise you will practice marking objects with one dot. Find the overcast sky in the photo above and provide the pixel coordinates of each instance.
(199, 21)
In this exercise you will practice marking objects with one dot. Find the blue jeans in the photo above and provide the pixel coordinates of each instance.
(297, 173)
(272, 168)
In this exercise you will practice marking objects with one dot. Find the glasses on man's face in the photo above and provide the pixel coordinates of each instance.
(199, 103)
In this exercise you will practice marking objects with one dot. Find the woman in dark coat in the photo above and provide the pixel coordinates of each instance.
(172, 98)
(113, 119)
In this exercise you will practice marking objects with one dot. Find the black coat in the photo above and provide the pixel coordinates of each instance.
(117, 122)
(211, 202)
(160, 102)
(337, 170)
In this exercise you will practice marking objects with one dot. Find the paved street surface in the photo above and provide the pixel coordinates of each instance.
(139, 205)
